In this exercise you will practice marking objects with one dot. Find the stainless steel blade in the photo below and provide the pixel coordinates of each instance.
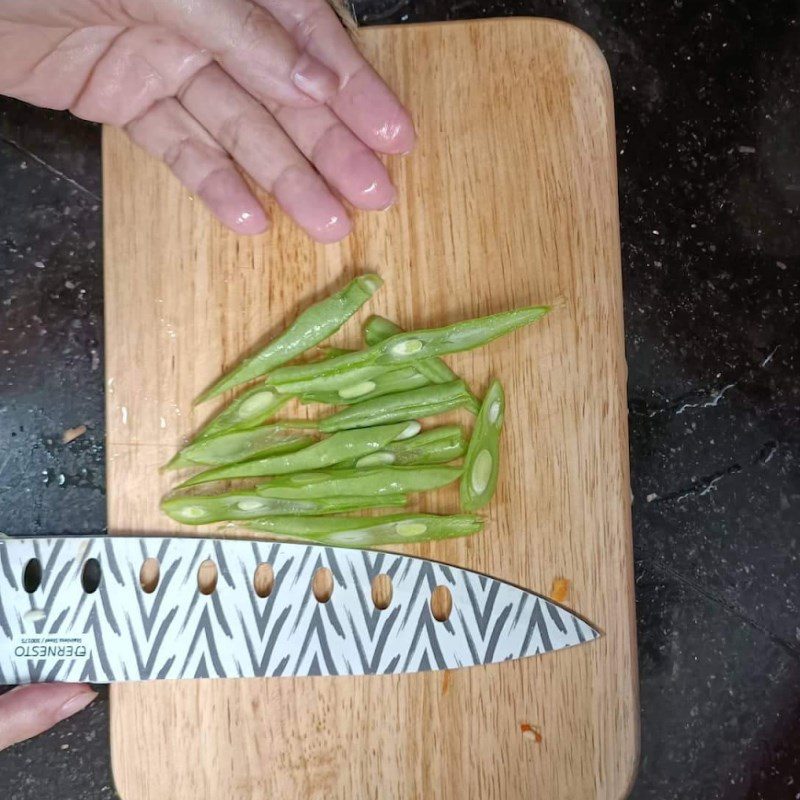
(61, 632)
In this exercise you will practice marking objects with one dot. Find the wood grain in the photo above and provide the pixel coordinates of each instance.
(510, 199)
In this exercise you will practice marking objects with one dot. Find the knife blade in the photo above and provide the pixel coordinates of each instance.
(75, 609)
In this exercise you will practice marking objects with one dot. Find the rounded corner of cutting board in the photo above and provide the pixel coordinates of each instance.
(570, 36)
(580, 40)
(119, 786)
(585, 50)
(630, 771)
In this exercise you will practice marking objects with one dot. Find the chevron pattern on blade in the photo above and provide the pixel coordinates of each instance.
(120, 632)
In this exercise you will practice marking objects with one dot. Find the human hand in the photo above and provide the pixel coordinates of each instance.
(30, 710)
(273, 86)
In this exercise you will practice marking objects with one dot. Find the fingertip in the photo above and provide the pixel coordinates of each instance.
(368, 107)
(231, 201)
(251, 222)
(303, 195)
(354, 170)
(386, 199)
(368, 185)
(397, 136)
(82, 698)
(378, 195)
(334, 230)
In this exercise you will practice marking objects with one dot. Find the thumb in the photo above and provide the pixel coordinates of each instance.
(30, 710)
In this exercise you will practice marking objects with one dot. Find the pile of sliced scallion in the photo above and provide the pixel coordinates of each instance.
(369, 452)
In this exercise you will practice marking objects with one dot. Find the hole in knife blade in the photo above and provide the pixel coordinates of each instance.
(32, 576)
(441, 603)
(92, 574)
(382, 591)
(149, 575)
(264, 580)
(322, 584)
(207, 577)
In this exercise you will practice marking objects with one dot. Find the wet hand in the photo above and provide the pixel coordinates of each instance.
(274, 88)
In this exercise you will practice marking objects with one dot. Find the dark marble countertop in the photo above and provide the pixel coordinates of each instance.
(708, 134)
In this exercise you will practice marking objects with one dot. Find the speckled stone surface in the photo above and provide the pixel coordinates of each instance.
(709, 155)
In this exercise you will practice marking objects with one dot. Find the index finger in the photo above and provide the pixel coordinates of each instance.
(363, 101)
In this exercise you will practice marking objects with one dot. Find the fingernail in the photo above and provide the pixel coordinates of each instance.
(314, 78)
(76, 703)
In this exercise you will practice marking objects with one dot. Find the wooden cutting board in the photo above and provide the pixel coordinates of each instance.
(510, 199)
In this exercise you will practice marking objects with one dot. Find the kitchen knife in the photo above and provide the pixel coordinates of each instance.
(75, 609)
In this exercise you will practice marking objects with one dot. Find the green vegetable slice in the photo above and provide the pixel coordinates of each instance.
(377, 329)
(414, 404)
(414, 346)
(455, 338)
(249, 410)
(340, 447)
(482, 462)
(233, 506)
(369, 531)
(391, 382)
(363, 482)
(359, 373)
(434, 446)
(230, 448)
(313, 326)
